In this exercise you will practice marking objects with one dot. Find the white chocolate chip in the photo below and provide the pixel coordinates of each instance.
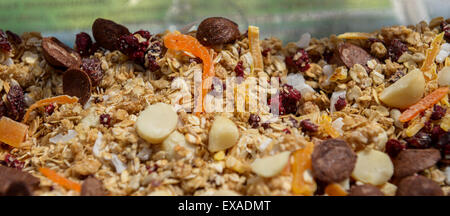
(373, 167)
(270, 166)
(156, 122)
(222, 135)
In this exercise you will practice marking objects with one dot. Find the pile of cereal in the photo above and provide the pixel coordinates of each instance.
(175, 113)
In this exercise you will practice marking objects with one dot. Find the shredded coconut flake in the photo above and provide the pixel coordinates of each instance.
(8, 62)
(298, 82)
(337, 124)
(304, 40)
(447, 175)
(264, 144)
(334, 98)
(118, 164)
(328, 71)
(97, 144)
(59, 138)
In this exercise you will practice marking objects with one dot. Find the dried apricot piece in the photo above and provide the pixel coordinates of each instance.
(11, 132)
(301, 164)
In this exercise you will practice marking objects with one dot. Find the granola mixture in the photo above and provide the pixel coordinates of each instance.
(359, 113)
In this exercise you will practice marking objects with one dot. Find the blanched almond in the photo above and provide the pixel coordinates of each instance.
(156, 122)
(373, 167)
(271, 165)
(406, 91)
(222, 135)
(173, 141)
(444, 76)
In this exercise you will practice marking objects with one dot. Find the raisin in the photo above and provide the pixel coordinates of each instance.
(93, 67)
(396, 49)
(135, 50)
(16, 101)
(265, 125)
(393, 147)
(254, 120)
(289, 99)
(308, 126)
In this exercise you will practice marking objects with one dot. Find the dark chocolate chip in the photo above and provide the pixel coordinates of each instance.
(365, 190)
(92, 187)
(216, 31)
(58, 54)
(77, 83)
(18, 188)
(418, 186)
(411, 161)
(107, 33)
(9, 177)
(333, 160)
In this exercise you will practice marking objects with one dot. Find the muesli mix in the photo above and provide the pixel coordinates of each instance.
(175, 113)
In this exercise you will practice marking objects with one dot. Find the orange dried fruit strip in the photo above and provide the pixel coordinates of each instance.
(302, 163)
(56, 178)
(177, 41)
(255, 48)
(11, 132)
(432, 52)
(334, 189)
(423, 104)
(62, 99)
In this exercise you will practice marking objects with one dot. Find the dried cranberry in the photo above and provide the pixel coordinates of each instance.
(16, 102)
(427, 127)
(396, 49)
(340, 104)
(266, 51)
(420, 140)
(300, 60)
(239, 69)
(93, 67)
(144, 34)
(83, 44)
(308, 126)
(130, 46)
(254, 120)
(438, 112)
(152, 65)
(436, 132)
(14, 38)
(286, 131)
(289, 99)
(446, 28)
(11, 161)
(152, 168)
(105, 120)
(294, 122)
(50, 109)
(393, 147)
(4, 43)
(265, 125)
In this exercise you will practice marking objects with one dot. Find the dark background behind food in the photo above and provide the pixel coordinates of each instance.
(285, 19)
